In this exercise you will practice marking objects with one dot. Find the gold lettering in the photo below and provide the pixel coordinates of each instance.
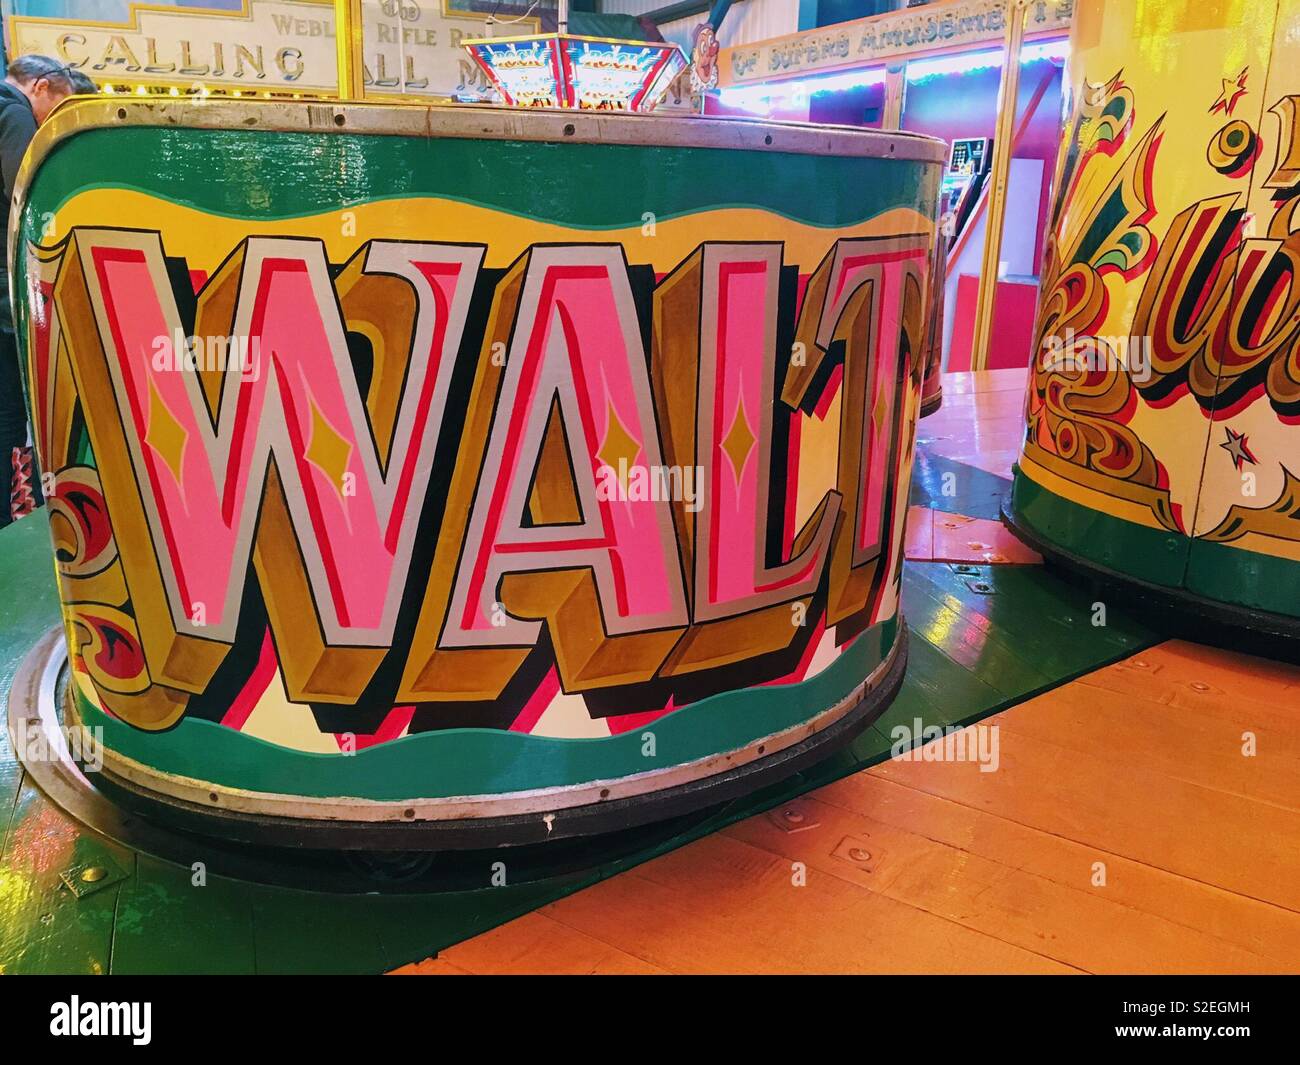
(413, 35)
(62, 48)
(254, 59)
(411, 81)
(289, 60)
(1286, 159)
(187, 62)
(381, 73)
(151, 58)
(118, 51)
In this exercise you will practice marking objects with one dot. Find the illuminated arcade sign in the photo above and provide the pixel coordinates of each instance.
(263, 44)
(588, 73)
(408, 46)
(938, 27)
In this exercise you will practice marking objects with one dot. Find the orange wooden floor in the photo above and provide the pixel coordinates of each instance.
(1145, 818)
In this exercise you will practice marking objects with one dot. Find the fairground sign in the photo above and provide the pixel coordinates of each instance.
(899, 34)
(410, 46)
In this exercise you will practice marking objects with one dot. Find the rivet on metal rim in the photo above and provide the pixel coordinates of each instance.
(793, 818)
(856, 851)
(86, 878)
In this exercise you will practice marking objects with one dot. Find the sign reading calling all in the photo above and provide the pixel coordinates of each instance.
(277, 45)
(894, 35)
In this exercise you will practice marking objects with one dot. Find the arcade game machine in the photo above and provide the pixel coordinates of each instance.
(964, 179)
(959, 97)
(376, 556)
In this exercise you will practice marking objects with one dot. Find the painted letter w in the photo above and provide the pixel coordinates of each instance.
(278, 457)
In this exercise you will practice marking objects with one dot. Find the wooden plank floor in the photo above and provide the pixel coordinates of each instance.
(1134, 773)
(971, 655)
(911, 866)
(1144, 818)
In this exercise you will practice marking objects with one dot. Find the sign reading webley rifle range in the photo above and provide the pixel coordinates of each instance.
(898, 34)
(410, 46)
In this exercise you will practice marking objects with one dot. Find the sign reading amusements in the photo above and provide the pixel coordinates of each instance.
(409, 46)
(899, 34)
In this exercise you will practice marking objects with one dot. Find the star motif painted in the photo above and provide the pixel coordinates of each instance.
(1239, 448)
(165, 434)
(739, 441)
(328, 451)
(1233, 90)
(620, 448)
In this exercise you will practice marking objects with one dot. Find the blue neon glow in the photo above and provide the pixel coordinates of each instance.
(766, 97)
(781, 95)
(965, 62)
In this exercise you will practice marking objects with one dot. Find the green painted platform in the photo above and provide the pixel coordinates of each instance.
(973, 652)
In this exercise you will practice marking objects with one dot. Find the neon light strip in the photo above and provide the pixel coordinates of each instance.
(965, 62)
(760, 99)
(771, 96)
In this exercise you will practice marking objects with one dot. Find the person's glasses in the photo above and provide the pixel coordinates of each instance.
(64, 72)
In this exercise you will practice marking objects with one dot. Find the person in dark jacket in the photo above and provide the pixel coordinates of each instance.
(34, 86)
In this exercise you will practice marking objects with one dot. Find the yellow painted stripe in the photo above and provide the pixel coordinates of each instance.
(1138, 513)
(204, 240)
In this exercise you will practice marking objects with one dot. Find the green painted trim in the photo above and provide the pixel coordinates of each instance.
(29, 606)
(454, 762)
(1219, 573)
(535, 180)
(1153, 555)
(1246, 578)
